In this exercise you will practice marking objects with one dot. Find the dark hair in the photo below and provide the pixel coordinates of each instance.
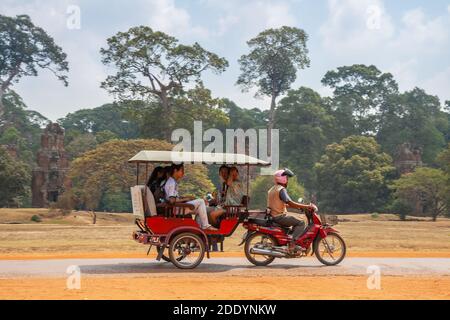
(154, 176)
(234, 168)
(175, 167)
(224, 167)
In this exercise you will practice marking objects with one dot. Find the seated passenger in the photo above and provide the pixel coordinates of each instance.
(235, 191)
(155, 179)
(215, 209)
(172, 196)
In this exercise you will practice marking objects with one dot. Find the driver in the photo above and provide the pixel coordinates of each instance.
(278, 200)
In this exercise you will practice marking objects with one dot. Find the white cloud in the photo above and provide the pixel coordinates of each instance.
(362, 31)
(356, 26)
(166, 16)
(251, 17)
(439, 84)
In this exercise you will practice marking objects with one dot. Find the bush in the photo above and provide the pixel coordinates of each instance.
(36, 218)
(375, 215)
(401, 208)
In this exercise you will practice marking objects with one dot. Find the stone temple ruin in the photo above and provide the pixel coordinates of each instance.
(407, 158)
(52, 166)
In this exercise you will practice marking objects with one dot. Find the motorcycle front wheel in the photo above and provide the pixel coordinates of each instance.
(330, 250)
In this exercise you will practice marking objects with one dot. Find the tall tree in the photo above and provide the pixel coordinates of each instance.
(153, 64)
(360, 96)
(25, 48)
(272, 64)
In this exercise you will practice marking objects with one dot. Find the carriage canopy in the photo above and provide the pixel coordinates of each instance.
(197, 157)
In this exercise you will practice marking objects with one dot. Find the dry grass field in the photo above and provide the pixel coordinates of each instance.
(73, 235)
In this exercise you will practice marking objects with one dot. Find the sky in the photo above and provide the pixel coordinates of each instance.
(409, 38)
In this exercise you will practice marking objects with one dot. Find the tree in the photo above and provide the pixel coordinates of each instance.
(242, 118)
(426, 185)
(113, 117)
(22, 128)
(261, 185)
(353, 175)
(306, 128)
(272, 64)
(14, 180)
(361, 96)
(444, 161)
(104, 174)
(80, 145)
(415, 117)
(151, 64)
(24, 48)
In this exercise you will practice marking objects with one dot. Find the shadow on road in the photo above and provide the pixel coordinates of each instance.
(167, 267)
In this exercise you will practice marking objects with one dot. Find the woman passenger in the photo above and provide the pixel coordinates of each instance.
(157, 176)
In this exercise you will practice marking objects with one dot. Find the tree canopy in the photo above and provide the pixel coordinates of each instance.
(25, 48)
(14, 180)
(272, 64)
(151, 64)
(426, 186)
(353, 176)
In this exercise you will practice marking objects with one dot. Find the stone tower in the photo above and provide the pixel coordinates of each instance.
(52, 165)
(407, 158)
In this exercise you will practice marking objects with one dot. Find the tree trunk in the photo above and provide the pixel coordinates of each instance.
(94, 217)
(168, 116)
(271, 123)
(2, 107)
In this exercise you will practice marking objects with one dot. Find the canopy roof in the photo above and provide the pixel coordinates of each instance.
(196, 157)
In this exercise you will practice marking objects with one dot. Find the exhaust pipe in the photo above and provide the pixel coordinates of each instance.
(266, 252)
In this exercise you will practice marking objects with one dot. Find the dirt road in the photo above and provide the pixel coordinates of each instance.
(226, 278)
(225, 267)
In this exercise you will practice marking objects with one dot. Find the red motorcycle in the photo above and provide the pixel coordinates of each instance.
(265, 240)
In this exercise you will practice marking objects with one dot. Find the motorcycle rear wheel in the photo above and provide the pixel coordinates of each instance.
(253, 258)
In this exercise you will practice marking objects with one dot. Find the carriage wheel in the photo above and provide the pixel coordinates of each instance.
(186, 250)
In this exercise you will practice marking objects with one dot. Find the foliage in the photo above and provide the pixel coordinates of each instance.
(306, 127)
(36, 218)
(110, 117)
(272, 64)
(444, 161)
(261, 185)
(241, 118)
(81, 144)
(360, 96)
(151, 64)
(25, 48)
(22, 127)
(428, 186)
(415, 117)
(102, 177)
(352, 176)
(14, 180)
